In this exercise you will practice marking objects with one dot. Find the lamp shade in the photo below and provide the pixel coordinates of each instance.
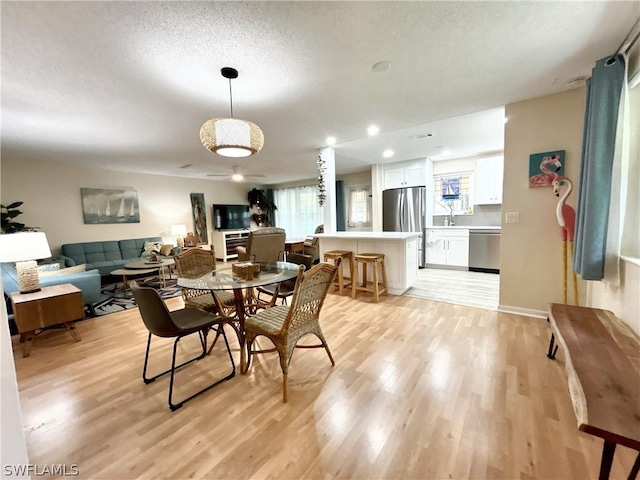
(178, 230)
(19, 247)
(231, 137)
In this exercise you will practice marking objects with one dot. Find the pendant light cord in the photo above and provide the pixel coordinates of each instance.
(230, 98)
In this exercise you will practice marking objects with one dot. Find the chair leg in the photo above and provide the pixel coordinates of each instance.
(249, 343)
(214, 342)
(284, 388)
(174, 367)
(176, 406)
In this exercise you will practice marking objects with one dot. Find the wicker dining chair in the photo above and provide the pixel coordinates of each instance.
(284, 325)
(284, 290)
(196, 262)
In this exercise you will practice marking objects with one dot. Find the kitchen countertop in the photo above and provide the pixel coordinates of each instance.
(372, 235)
(465, 227)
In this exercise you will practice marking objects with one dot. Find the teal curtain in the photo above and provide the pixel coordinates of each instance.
(341, 213)
(598, 144)
(271, 213)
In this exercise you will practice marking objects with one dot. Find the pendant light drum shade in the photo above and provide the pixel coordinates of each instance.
(231, 137)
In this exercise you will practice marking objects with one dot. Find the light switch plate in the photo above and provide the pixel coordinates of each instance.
(512, 217)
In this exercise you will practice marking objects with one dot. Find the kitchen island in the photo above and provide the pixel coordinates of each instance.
(400, 250)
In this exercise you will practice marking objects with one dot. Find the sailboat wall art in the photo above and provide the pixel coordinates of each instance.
(109, 205)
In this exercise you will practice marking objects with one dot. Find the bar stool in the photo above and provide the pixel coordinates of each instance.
(376, 260)
(347, 258)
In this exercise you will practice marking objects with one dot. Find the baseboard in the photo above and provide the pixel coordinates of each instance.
(523, 311)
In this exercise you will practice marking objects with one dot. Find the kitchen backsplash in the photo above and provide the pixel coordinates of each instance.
(483, 216)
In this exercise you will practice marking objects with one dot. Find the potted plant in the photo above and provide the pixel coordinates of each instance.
(7, 214)
(258, 198)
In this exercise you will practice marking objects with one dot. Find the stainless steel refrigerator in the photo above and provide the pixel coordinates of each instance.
(403, 210)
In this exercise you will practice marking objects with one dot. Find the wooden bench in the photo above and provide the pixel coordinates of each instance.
(602, 359)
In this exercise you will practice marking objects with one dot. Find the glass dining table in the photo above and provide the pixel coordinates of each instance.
(223, 278)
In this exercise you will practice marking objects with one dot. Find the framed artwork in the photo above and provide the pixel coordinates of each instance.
(199, 215)
(451, 188)
(545, 167)
(106, 205)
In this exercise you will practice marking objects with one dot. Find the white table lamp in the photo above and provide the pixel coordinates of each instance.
(24, 248)
(179, 231)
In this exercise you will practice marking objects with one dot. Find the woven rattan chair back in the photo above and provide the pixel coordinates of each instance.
(195, 262)
(308, 296)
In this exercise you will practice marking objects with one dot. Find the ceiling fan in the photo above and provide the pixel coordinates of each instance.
(237, 174)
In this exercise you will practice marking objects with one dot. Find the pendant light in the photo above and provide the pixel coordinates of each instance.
(231, 137)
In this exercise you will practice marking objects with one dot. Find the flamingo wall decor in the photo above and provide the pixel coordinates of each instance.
(550, 164)
(566, 217)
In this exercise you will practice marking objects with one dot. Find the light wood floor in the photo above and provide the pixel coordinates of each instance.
(473, 289)
(420, 390)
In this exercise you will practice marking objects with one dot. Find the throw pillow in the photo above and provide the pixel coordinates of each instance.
(150, 248)
(166, 250)
(48, 267)
(63, 271)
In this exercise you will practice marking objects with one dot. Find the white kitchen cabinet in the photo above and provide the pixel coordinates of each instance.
(404, 174)
(447, 247)
(489, 180)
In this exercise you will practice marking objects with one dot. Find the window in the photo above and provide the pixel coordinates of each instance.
(359, 199)
(631, 226)
(298, 210)
(452, 193)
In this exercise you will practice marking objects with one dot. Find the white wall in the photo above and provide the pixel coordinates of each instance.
(531, 250)
(13, 447)
(51, 196)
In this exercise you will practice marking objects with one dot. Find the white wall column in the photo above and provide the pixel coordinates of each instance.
(329, 157)
(377, 186)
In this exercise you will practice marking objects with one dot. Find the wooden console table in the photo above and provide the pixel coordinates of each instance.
(54, 305)
(602, 359)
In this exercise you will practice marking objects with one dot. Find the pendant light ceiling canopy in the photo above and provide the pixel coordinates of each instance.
(231, 137)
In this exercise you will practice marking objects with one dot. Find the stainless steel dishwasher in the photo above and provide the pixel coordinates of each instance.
(484, 250)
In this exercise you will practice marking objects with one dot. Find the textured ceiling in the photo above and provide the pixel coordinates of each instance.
(127, 85)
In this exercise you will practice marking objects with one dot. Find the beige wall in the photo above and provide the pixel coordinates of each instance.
(623, 300)
(531, 250)
(51, 196)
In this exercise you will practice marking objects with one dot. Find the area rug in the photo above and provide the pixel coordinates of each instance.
(112, 300)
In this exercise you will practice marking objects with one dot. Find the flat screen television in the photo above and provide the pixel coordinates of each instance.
(230, 217)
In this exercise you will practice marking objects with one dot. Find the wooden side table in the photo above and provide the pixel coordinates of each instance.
(294, 246)
(54, 305)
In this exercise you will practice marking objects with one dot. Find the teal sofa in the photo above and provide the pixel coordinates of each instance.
(105, 256)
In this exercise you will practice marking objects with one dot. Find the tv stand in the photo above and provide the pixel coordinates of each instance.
(226, 241)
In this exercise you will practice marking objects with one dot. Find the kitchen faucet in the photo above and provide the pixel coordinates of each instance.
(451, 217)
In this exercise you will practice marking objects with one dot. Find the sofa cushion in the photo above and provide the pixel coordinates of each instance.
(151, 248)
(63, 271)
(132, 248)
(92, 252)
(166, 250)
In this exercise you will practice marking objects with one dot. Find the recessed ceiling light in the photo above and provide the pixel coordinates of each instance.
(381, 66)
(331, 141)
(373, 130)
(388, 153)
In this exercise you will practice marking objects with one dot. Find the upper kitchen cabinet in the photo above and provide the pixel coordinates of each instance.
(489, 180)
(405, 174)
